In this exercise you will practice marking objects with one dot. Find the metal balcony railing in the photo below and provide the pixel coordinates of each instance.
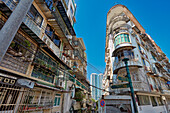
(131, 62)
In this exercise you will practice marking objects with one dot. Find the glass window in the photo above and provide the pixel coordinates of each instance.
(153, 100)
(143, 61)
(35, 15)
(153, 57)
(57, 101)
(143, 100)
(139, 47)
(159, 101)
(121, 38)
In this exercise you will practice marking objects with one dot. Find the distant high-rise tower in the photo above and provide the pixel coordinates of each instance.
(96, 80)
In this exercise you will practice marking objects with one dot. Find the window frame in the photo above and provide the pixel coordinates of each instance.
(34, 15)
(142, 101)
(121, 38)
(57, 103)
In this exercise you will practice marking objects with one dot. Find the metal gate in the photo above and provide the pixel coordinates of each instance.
(8, 98)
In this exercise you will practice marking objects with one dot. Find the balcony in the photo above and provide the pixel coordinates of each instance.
(148, 70)
(137, 85)
(54, 17)
(19, 55)
(51, 45)
(131, 63)
(45, 68)
(121, 17)
(29, 25)
(152, 49)
(143, 54)
(68, 54)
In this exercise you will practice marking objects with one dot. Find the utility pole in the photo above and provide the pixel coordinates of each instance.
(10, 28)
(130, 84)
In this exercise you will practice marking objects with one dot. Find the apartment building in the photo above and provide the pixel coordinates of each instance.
(37, 71)
(148, 65)
(96, 81)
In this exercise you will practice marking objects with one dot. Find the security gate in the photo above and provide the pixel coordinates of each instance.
(8, 97)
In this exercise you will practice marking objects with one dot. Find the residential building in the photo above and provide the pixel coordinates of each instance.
(148, 66)
(37, 72)
(96, 81)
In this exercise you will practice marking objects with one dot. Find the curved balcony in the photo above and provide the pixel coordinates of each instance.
(118, 18)
(131, 63)
(122, 41)
(121, 47)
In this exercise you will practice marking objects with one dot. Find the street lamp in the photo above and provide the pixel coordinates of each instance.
(130, 83)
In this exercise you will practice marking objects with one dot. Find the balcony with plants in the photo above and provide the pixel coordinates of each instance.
(45, 68)
(19, 55)
(128, 53)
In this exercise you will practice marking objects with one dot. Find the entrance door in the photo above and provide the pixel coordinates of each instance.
(118, 104)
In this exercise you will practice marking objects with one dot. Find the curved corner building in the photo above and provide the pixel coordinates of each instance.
(149, 67)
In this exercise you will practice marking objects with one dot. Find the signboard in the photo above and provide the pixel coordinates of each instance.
(7, 80)
(122, 78)
(25, 83)
(120, 86)
(102, 103)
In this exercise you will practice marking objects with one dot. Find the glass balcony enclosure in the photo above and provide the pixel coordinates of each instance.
(124, 54)
(121, 38)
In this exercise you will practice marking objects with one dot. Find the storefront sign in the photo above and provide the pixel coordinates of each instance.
(25, 83)
(120, 86)
(5, 80)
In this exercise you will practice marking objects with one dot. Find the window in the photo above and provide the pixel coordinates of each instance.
(159, 99)
(139, 47)
(49, 31)
(35, 15)
(57, 100)
(56, 41)
(153, 57)
(143, 100)
(71, 9)
(143, 61)
(121, 38)
(153, 100)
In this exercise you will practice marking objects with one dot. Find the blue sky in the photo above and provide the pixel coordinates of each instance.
(154, 16)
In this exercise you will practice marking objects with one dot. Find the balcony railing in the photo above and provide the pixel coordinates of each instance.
(19, 55)
(51, 45)
(27, 20)
(131, 62)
